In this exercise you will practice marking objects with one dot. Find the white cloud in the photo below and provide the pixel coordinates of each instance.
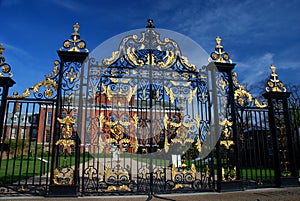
(255, 69)
(15, 50)
(289, 65)
(74, 6)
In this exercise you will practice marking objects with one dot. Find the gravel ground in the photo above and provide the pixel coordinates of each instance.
(271, 194)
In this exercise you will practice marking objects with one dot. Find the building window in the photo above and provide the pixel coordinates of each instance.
(47, 136)
(126, 118)
(113, 118)
(13, 133)
(49, 118)
(34, 134)
(15, 119)
(33, 119)
(23, 133)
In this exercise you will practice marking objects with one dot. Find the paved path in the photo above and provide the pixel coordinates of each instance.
(272, 194)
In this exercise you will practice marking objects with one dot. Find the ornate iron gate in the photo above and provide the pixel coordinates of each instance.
(144, 121)
(146, 113)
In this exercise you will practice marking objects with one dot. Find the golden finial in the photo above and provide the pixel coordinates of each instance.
(219, 55)
(218, 41)
(76, 28)
(273, 69)
(150, 24)
(274, 84)
(75, 44)
(5, 68)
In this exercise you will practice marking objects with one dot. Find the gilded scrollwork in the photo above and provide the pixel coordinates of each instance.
(169, 58)
(222, 83)
(181, 138)
(114, 57)
(46, 88)
(107, 91)
(227, 128)
(260, 105)
(149, 49)
(71, 75)
(192, 94)
(54, 70)
(229, 174)
(66, 132)
(198, 144)
(49, 84)
(67, 123)
(135, 144)
(107, 173)
(185, 61)
(116, 129)
(241, 95)
(64, 176)
(244, 97)
(183, 177)
(25, 94)
(227, 143)
(49, 91)
(170, 93)
(184, 128)
(65, 143)
(132, 57)
(131, 92)
(166, 145)
(102, 120)
(117, 178)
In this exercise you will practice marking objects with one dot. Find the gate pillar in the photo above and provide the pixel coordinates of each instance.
(279, 124)
(66, 140)
(228, 169)
(6, 82)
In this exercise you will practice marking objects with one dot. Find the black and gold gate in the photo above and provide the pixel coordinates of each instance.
(143, 121)
(145, 113)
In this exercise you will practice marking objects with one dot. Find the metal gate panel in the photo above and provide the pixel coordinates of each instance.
(27, 135)
(142, 101)
(256, 147)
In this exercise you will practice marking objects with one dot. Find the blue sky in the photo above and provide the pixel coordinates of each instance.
(256, 34)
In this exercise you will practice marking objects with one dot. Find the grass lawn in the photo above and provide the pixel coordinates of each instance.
(257, 173)
(13, 170)
(21, 168)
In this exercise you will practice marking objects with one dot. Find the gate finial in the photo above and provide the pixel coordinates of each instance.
(150, 24)
(76, 28)
(219, 55)
(75, 44)
(274, 84)
(5, 68)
